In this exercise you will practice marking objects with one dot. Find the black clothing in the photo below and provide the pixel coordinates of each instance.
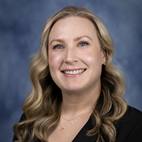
(129, 128)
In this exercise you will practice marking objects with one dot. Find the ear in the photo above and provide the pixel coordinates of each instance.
(103, 57)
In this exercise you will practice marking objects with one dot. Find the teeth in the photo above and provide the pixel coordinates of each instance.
(73, 72)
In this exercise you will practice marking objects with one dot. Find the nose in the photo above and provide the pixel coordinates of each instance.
(70, 56)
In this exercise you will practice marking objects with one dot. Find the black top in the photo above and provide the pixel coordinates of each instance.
(129, 128)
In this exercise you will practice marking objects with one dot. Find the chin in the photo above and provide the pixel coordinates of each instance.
(72, 89)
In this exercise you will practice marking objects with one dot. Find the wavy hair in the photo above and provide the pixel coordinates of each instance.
(42, 107)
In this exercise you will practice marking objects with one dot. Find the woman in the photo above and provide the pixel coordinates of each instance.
(77, 91)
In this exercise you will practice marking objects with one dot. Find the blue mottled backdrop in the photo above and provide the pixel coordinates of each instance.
(21, 23)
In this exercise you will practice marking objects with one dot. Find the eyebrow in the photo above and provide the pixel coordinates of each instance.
(75, 39)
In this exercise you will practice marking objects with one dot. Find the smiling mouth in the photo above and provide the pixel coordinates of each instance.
(74, 71)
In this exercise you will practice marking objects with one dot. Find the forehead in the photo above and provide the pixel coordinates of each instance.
(72, 26)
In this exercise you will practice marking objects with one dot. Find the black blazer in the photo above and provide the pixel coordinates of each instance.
(129, 128)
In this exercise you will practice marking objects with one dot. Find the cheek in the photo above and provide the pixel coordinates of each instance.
(91, 57)
(54, 61)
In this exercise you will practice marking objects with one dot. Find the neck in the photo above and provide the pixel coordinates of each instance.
(76, 103)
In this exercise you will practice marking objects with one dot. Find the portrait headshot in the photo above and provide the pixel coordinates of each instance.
(78, 84)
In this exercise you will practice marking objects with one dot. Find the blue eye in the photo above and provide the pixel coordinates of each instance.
(83, 44)
(58, 47)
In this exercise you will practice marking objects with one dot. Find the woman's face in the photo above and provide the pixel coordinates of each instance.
(75, 55)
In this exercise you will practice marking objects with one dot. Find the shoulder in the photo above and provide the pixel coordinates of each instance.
(129, 127)
(23, 117)
(131, 115)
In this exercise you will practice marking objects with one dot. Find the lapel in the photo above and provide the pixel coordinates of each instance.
(82, 137)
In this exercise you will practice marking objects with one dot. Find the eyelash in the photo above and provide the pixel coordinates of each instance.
(82, 42)
(57, 46)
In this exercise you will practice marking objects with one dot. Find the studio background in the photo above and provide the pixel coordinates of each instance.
(21, 24)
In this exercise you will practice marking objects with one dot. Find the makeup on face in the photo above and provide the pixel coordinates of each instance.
(75, 55)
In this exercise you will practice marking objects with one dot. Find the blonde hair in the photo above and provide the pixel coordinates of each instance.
(42, 107)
